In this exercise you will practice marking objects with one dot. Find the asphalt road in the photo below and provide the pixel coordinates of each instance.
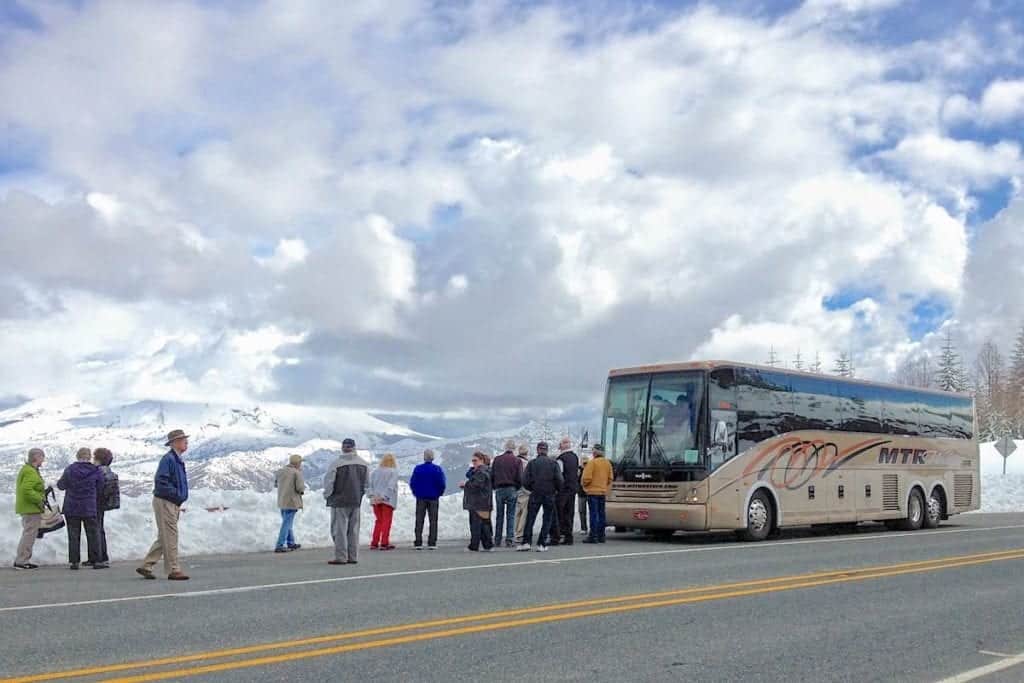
(868, 605)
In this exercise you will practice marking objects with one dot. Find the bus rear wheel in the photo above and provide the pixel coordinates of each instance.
(933, 510)
(760, 518)
(915, 512)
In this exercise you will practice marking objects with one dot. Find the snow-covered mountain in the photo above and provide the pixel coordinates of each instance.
(230, 448)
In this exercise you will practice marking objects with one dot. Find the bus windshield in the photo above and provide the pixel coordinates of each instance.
(651, 420)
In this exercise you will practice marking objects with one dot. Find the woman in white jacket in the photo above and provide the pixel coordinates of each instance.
(384, 497)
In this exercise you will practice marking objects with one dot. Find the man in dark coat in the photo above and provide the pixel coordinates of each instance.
(476, 499)
(543, 479)
(83, 482)
(565, 499)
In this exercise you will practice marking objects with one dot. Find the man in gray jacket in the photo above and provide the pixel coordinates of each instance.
(344, 487)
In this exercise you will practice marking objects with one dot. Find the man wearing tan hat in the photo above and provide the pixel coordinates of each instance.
(169, 493)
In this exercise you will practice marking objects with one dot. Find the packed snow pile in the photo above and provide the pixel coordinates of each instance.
(1002, 493)
(226, 522)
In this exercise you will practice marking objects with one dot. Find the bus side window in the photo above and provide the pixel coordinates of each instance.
(722, 400)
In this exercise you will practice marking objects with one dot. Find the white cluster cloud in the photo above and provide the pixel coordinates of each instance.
(405, 207)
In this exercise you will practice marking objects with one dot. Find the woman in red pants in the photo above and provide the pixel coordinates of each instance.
(384, 496)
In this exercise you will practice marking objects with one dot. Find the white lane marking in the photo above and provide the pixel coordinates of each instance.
(982, 671)
(994, 654)
(881, 536)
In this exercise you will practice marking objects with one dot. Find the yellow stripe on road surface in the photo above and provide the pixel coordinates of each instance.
(441, 628)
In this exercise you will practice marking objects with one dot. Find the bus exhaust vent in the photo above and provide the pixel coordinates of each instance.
(890, 492)
(963, 490)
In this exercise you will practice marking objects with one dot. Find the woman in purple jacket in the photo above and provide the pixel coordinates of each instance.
(83, 482)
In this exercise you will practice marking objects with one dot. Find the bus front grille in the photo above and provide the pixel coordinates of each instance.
(643, 493)
(890, 492)
(963, 490)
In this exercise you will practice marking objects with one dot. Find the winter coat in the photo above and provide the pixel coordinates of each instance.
(83, 482)
(428, 481)
(345, 481)
(597, 476)
(290, 487)
(171, 482)
(543, 476)
(570, 464)
(110, 494)
(29, 491)
(505, 471)
(476, 495)
(384, 485)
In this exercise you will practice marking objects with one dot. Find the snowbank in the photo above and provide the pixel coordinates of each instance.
(248, 522)
(999, 493)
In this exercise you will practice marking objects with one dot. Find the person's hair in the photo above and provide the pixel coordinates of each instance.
(388, 460)
(524, 450)
(483, 457)
(83, 454)
(294, 459)
(34, 453)
(103, 456)
(428, 455)
(566, 442)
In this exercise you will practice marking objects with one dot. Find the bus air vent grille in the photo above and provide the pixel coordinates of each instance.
(963, 490)
(890, 492)
(644, 493)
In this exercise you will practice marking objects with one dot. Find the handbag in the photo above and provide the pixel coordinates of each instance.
(52, 519)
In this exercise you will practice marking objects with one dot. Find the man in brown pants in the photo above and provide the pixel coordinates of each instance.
(169, 493)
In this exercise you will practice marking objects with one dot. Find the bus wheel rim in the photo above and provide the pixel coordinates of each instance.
(915, 508)
(757, 515)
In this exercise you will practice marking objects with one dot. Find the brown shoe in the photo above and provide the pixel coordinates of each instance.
(145, 573)
(177, 576)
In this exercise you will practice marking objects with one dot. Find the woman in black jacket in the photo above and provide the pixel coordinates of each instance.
(477, 499)
(109, 497)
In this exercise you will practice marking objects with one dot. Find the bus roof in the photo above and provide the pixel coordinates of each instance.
(712, 364)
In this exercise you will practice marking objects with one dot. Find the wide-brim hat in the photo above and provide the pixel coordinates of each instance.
(174, 435)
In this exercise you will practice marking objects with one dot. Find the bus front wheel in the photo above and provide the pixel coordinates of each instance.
(760, 517)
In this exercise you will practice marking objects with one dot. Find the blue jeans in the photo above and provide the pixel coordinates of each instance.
(285, 535)
(597, 519)
(504, 513)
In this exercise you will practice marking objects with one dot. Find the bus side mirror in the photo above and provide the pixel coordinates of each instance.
(721, 435)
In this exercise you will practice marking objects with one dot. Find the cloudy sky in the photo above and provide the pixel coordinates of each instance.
(466, 212)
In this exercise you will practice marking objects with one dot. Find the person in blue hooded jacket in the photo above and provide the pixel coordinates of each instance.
(428, 484)
(170, 491)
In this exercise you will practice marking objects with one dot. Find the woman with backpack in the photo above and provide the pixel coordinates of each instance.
(109, 497)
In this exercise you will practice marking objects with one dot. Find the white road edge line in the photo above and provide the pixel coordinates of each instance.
(1001, 655)
(982, 671)
(881, 536)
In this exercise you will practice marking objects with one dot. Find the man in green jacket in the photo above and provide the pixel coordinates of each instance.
(28, 502)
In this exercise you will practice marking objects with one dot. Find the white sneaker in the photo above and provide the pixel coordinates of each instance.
(542, 549)
(523, 547)
(418, 547)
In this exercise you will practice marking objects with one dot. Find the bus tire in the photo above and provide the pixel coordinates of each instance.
(934, 509)
(760, 517)
(915, 511)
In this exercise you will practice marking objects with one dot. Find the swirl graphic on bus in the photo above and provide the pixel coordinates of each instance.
(791, 463)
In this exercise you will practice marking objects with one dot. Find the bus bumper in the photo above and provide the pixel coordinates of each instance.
(657, 516)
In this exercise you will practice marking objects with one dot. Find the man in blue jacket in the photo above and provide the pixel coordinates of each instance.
(428, 485)
(169, 493)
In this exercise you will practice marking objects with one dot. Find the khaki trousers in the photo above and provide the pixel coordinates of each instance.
(29, 528)
(522, 501)
(166, 543)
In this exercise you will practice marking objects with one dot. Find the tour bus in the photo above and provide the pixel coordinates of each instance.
(715, 445)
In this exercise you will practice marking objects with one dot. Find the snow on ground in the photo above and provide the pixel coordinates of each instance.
(248, 522)
(1002, 493)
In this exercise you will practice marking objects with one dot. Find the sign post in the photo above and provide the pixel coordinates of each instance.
(1005, 446)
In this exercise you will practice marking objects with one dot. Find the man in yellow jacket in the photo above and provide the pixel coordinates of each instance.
(28, 502)
(597, 481)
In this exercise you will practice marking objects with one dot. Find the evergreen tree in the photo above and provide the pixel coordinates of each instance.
(1015, 386)
(773, 358)
(815, 367)
(843, 366)
(950, 375)
(798, 362)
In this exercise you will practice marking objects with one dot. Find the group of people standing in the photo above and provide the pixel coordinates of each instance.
(516, 488)
(91, 490)
(524, 489)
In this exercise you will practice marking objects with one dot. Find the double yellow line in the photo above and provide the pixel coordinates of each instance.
(304, 648)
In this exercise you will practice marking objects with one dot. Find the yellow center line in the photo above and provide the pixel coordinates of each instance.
(614, 605)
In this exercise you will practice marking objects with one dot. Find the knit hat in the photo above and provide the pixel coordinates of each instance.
(510, 445)
(597, 449)
(351, 443)
(542, 447)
